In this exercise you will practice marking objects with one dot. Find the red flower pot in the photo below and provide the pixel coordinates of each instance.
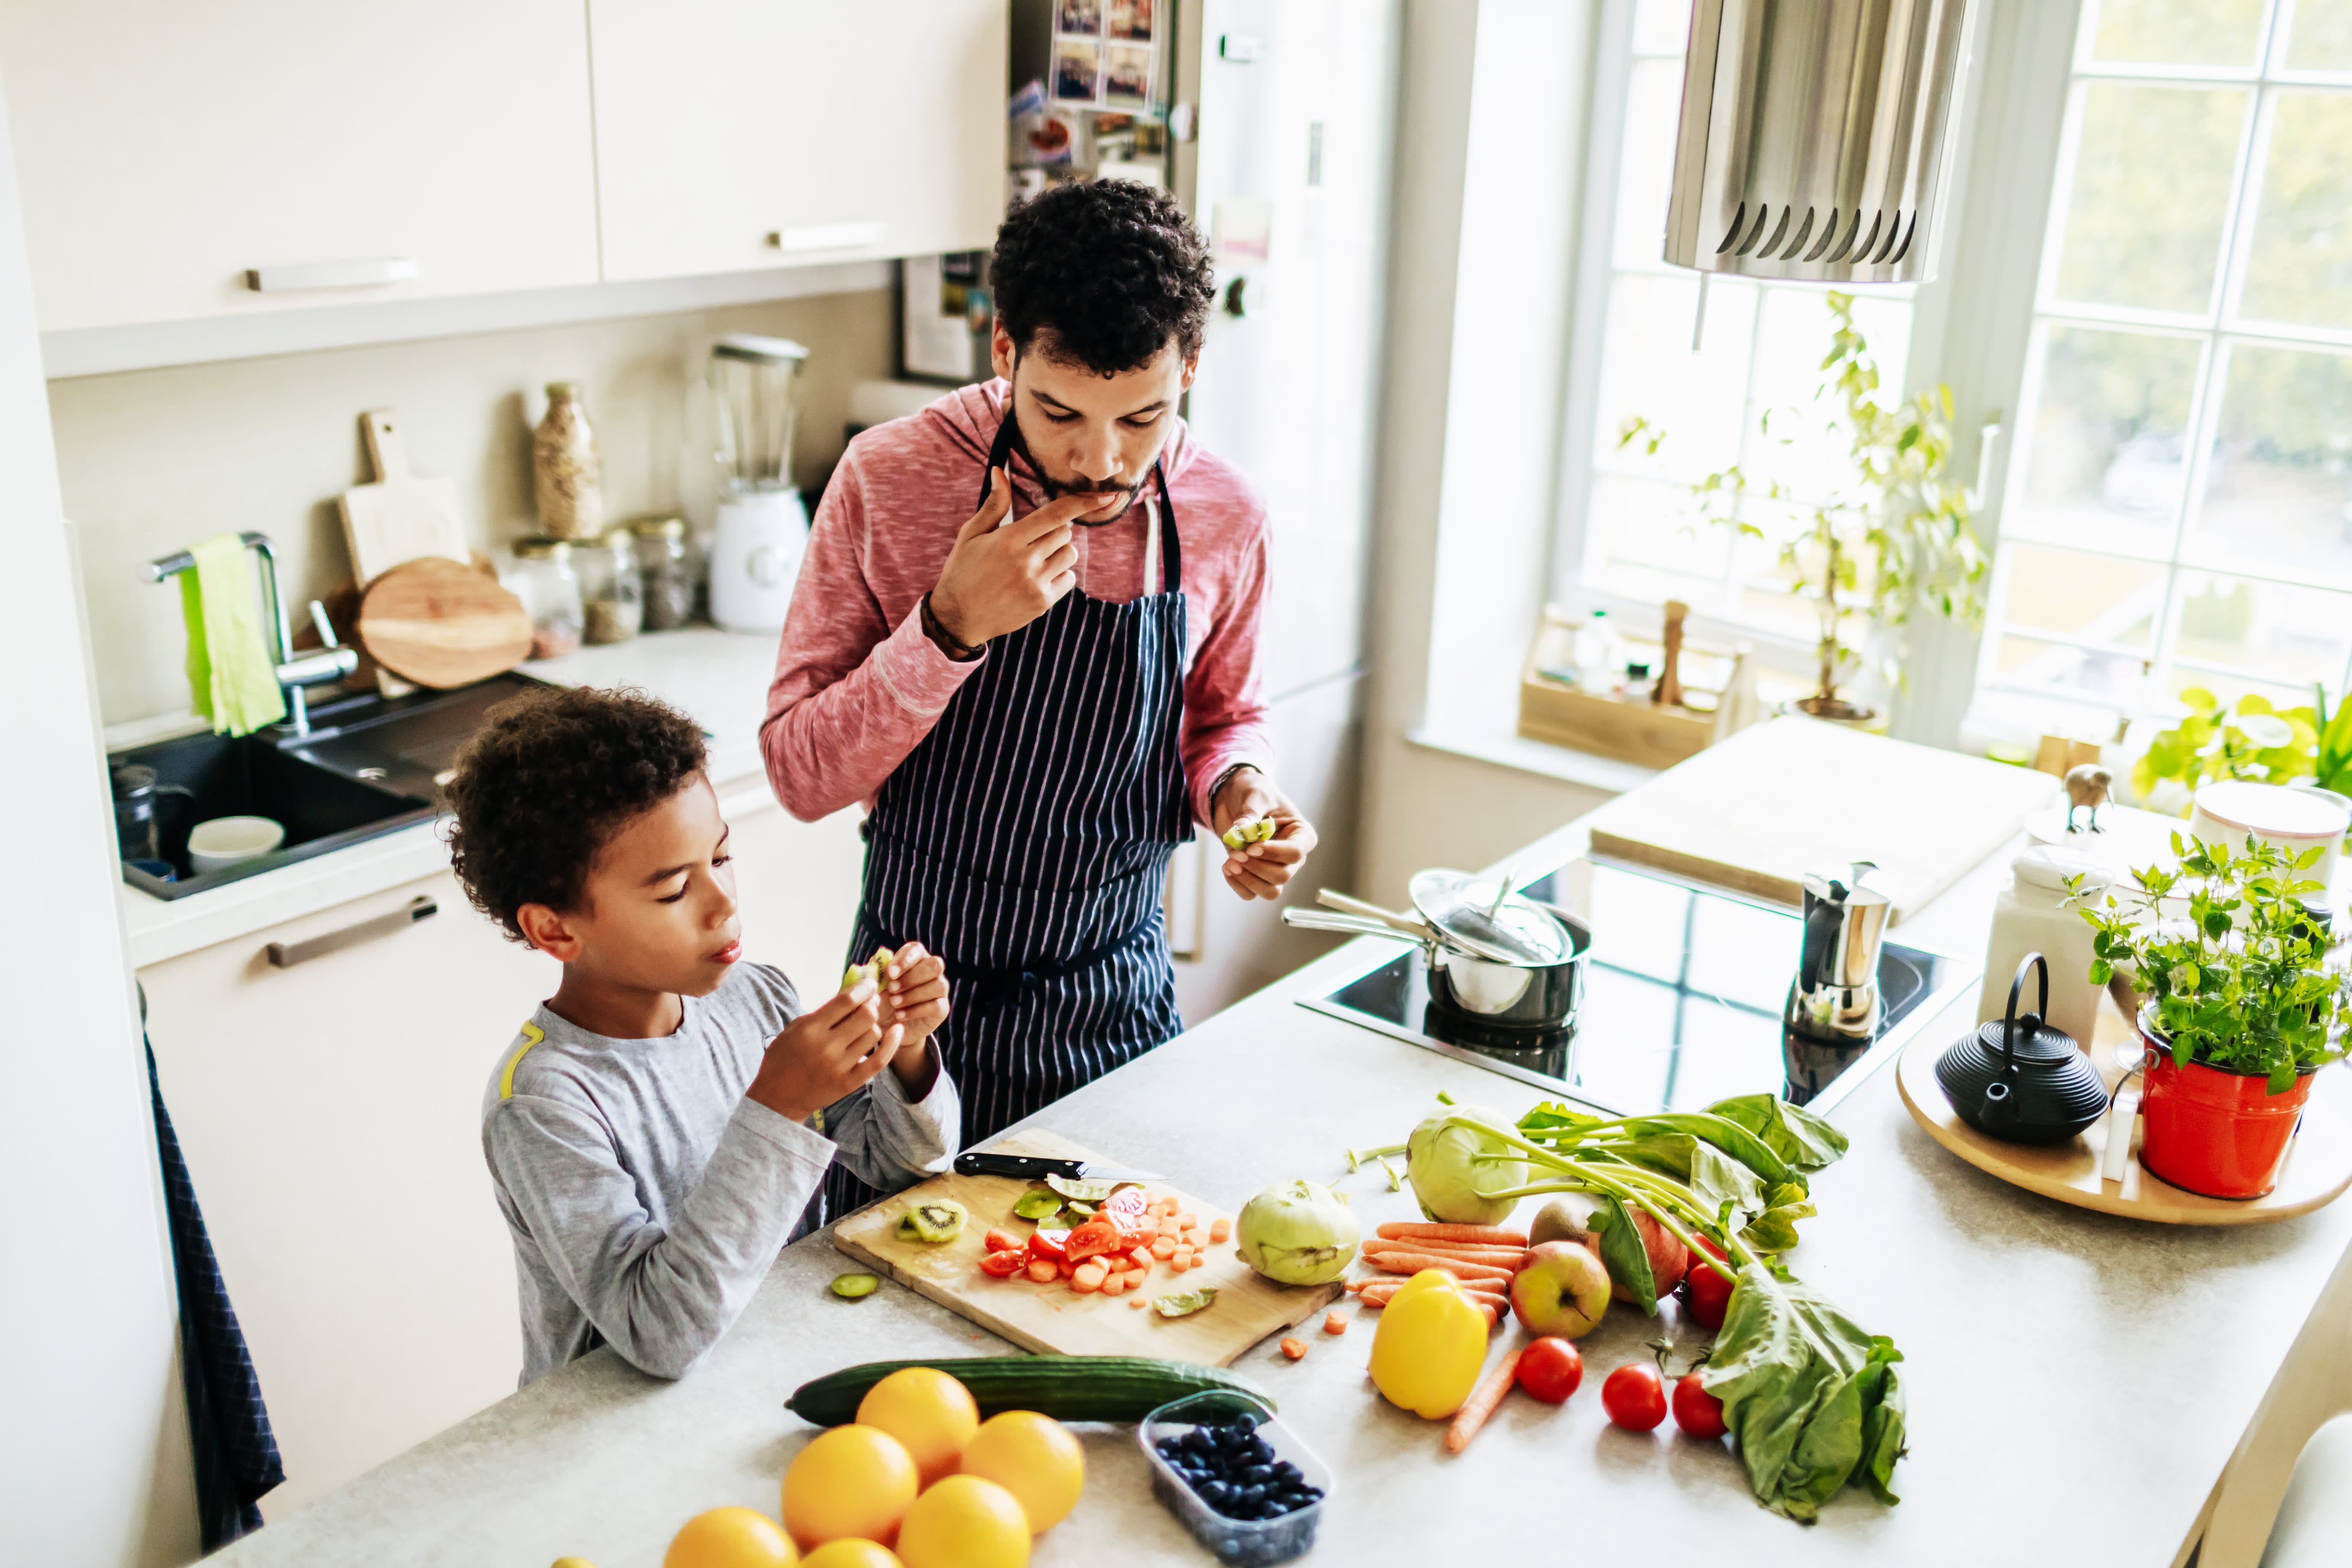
(2217, 1133)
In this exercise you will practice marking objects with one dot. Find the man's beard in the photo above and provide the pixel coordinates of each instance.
(1054, 488)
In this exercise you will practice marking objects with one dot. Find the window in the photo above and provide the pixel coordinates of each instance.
(1635, 533)
(2179, 511)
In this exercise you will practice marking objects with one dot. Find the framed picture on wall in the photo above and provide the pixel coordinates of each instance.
(1081, 17)
(1131, 21)
(1078, 70)
(1128, 75)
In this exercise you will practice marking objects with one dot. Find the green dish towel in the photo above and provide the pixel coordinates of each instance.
(229, 669)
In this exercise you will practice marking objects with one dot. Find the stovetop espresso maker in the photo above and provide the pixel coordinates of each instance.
(1834, 999)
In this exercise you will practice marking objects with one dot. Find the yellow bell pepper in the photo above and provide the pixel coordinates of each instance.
(1430, 1346)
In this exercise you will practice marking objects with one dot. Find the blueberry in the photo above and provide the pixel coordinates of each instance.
(1287, 1473)
(1261, 1450)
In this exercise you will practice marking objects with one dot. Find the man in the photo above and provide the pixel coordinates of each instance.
(1039, 698)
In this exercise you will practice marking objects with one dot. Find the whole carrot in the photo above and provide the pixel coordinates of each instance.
(1481, 1404)
(1379, 1292)
(1398, 1230)
(1494, 1257)
(1414, 1262)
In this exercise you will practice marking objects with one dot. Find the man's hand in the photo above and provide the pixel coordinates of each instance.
(917, 1003)
(1259, 870)
(830, 1051)
(999, 579)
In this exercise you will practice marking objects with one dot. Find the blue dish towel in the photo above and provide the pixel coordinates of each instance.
(228, 1427)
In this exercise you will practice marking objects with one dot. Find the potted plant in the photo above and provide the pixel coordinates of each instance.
(2237, 1007)
(2246, 738)
(1898, 536)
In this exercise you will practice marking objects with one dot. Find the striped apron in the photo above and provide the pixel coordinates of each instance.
(1025, 840)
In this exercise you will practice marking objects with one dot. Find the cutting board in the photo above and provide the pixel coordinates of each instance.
(1052, 1319)
(440, 624)
(401, 516)
(1756, 812)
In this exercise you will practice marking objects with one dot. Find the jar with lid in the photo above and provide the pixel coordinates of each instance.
(610, 590)
(549, 587)
(669, 566)
(567, 470)
(2036, 914)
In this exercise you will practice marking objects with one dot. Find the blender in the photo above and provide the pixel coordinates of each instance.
(762, 528)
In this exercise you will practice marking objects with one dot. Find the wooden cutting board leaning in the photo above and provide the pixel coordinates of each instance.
(401, 516)
(1052, 1319)
(1757, 811)
(442, 624)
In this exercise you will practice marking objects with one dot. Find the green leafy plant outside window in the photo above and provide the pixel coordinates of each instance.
(2249, 739)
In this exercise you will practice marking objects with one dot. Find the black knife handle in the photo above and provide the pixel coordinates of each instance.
(1029, 1167)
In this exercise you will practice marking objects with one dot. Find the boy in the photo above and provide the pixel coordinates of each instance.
(658, 1128)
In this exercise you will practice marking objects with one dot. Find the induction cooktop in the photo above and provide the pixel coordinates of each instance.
(1682, 996)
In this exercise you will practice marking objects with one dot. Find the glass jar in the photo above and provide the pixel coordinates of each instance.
(567, 470)
(548, 587)
(670, 567)
(610, 590)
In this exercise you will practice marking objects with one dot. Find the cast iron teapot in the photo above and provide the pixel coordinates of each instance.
(2020, 1080)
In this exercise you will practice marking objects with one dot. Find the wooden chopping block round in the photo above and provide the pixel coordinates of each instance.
(442, 622)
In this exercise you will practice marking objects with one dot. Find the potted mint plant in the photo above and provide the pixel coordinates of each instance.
(2238, 1007)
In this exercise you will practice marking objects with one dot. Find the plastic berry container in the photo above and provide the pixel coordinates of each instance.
(1246, 1543)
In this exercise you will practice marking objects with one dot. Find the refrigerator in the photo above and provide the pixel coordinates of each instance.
(1281, 122)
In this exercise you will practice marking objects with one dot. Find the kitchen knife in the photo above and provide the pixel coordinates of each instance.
(1031, 1167)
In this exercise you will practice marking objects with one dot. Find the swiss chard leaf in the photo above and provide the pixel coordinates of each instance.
(1798, 1137)
(1811, 1398)
(1724, 1134)
(1623, 1253)
(1718, 1179)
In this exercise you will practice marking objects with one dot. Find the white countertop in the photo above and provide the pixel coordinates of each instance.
(719, 679)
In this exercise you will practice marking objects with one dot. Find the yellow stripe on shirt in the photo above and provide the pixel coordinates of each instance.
(531, 1035)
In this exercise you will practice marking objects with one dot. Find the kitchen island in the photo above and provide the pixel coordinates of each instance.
(2077, 1383)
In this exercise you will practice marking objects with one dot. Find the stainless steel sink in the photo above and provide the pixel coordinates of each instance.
(370, 766)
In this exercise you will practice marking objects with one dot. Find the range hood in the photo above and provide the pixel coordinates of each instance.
(1815, 138)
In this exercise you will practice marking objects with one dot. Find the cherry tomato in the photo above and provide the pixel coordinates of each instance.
(999, 1241)
(1051, 1245)
(1551, 1369)
(1698, 1413)
(1706, 1289)
(1635, 1397)
(1004, 1265)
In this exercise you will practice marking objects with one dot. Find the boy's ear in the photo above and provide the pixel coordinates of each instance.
(550, 931)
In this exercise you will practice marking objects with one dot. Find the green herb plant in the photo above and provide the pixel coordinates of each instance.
(1899, 536)
(2238, 983)
(2247, 738)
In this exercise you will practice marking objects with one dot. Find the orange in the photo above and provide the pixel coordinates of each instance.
(1033, 1458)
(851, 1481)
(728, 1538)
(965, 1523)
(927, 1410)
(848, 1553)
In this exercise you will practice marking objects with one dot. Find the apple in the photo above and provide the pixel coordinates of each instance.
(1565, 1218)
(1561, 1290)
(1669, 1258)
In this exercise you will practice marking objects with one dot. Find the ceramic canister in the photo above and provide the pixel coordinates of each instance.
(2227, 810)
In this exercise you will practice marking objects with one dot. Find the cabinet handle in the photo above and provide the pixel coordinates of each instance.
(357, 274)
(826, 237)
(287, 954)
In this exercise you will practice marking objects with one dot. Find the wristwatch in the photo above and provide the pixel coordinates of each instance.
(941, 639)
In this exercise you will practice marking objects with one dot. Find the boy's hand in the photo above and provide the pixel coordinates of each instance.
(917, 1003)
(830, 1051)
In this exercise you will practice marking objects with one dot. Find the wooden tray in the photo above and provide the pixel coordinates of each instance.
(1053, 1319)
(2318, 1168)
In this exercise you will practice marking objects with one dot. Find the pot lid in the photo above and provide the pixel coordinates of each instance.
(2038, 1046)
(1463, 909)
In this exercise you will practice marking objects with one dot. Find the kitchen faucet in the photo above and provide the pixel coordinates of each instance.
(334, 662)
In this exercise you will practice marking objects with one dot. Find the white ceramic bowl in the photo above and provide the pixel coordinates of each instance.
(226, 841)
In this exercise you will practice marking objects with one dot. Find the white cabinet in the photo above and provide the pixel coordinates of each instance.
(330, 1114)
(163, 150)
(738, 134)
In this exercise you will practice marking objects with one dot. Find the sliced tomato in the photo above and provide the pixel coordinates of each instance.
(1053, 1246)
(1127, 1200)
(998, 1241)
(1097, 1236)
(1004, 1265)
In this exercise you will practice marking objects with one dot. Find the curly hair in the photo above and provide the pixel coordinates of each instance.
(1111, 271)
(547, 780)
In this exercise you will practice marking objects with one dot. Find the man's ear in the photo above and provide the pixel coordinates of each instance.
(1002, 352)
(1191, 369)
(550, 931)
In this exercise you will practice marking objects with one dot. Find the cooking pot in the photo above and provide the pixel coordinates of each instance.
(1532, 996)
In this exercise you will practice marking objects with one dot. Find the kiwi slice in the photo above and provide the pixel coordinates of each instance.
(856, 1287)
(934, 1221)
(1039, 1204)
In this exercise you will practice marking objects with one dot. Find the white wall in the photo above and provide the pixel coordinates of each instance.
(152, 460)
(93, 1438)
(1492, 107)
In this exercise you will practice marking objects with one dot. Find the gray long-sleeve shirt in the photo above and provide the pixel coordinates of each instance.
(647, 1197)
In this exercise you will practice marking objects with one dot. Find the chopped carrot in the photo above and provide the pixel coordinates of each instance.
(1185, 1256)
(1044, 1270)
(1398, 1230)
(1113, 1285)
(1067, 1267)
(1088, 1276)
(1188, 1221)
(1295, 1349)
(1140, 1257)
(1220, 1229)
(1136, 1301)
(1164, 1248)
(1333, 1323)
(1481, 1404)
(1414, 1262)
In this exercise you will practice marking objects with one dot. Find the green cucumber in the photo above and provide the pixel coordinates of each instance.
(1065, 1387)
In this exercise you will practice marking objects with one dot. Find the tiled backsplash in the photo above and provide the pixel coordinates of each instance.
(151, 460)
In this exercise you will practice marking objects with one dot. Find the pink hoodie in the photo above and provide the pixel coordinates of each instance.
(858, 683)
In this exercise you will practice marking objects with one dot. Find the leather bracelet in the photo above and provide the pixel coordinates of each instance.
(942, 639)
(1226, 777)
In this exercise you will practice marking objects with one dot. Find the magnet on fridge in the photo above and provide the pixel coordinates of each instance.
(1244, 229)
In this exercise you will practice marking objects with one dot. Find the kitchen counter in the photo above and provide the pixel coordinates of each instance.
(2076, 1383)
(720, 678)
